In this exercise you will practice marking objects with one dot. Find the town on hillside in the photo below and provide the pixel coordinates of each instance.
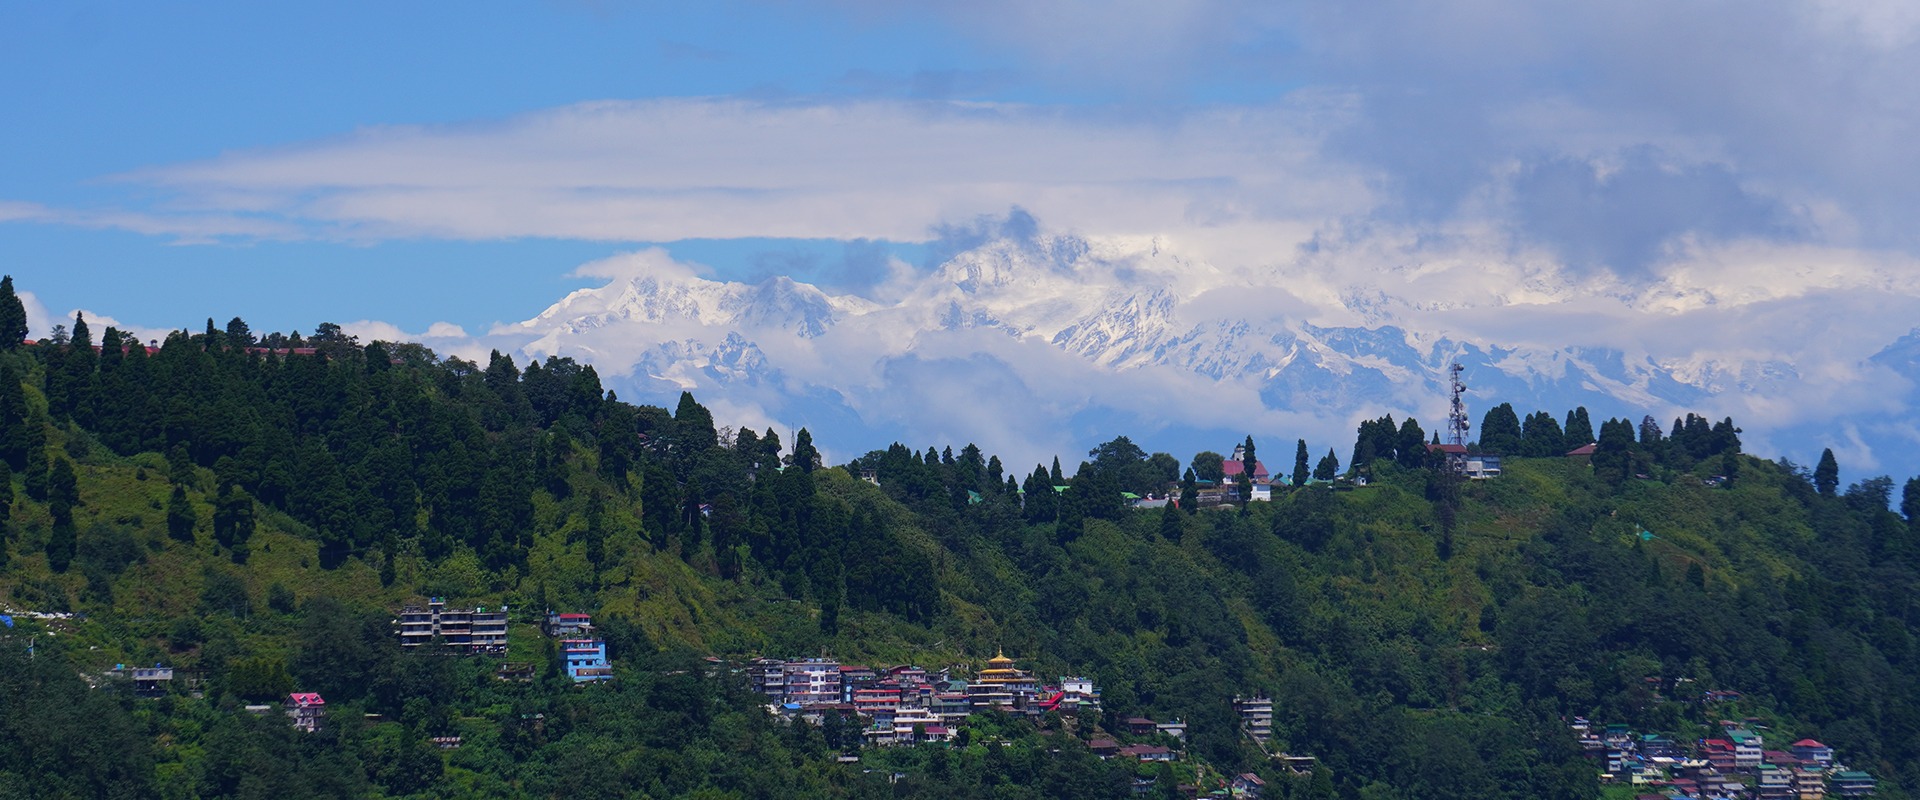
(1736, 764)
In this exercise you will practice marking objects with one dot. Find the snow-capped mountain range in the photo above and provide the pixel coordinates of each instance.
(1049, 345)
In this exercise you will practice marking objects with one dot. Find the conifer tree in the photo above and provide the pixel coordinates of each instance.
(1910, 501)
(1500, 430)
(1247, 465)
(1189, 492)
(180, 516)
(13, 417)
(804, 455)
(1328, 468)
(35, 436)
(1826, 476)
(13, 316)
(1301, 472)
(6, 498)
(1057, 478)
(1579, 429)
(1411, 445)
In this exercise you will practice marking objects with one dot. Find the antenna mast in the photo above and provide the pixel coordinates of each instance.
(1457, 422)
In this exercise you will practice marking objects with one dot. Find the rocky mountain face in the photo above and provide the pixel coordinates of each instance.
(1049, 345)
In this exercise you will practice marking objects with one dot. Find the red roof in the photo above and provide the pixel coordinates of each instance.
(304, 699)
(1447, 448)
(1808, 743)
(1230, 468)
(576, 616)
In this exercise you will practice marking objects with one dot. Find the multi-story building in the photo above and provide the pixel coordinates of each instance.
(1774, 783)
(1256, 716)
(586, 660)
(1080, 693)
(769, 677)
(306, 709)
(1748, 750)
(562, 626)
(476, 630)
(1812, 750)
(1000, 685)
(1852, 783)
(812, 682)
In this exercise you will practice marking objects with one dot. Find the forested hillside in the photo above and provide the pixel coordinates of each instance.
(255, 510)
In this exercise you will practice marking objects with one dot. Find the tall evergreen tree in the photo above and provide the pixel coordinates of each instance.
(1826, 476)
(180, 515)
(14, 437)
(1540, 436)
(1613, 455)
(1910, 501)
(1410, 446)
(1301, 472)
(1579, 429)
(1500, 430)
(1189, 492)
(1248, 463)
(1328, 468)
(804, 455)
(6, 499)
(34, 434)
(13, 316)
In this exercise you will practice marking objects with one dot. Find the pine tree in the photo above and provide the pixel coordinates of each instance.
(35, 436)
(60, 543)
(1826, 476)
(1189, 492)
(1057, 478)
(63, 487)
(62, 495)
(1328, 468)
(1910, 501)
(1411, 445)
(804, 455)
(1301, 472)
(14, 436)
(180, 515)
(1500, 430)
(13, 316)
(79, 364)
(1579, 428)
(1170, 523)
(1248, 463)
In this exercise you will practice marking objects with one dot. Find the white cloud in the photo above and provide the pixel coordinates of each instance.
(663, 170)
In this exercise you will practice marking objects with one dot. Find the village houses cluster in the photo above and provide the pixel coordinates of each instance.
(1735, 765)
(908, 704)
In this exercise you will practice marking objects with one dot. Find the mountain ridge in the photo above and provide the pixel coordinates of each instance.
(1083, 325)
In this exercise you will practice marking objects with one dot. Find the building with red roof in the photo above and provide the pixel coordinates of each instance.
(306, 708)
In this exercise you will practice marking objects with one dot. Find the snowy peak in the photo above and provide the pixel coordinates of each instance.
(1113, 330)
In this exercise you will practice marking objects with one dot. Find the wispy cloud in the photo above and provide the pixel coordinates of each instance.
(664, 170)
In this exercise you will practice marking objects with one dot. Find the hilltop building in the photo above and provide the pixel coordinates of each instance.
(1235, 471)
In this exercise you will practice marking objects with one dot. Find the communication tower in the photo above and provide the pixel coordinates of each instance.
(1457, 422)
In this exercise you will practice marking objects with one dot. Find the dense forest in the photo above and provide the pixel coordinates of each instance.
(254, 509)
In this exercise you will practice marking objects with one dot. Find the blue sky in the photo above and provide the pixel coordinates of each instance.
(97, 90)
(1638, 165)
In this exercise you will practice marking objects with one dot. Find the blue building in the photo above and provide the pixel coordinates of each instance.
(586, 660)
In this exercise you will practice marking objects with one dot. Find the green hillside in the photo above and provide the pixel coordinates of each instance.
(254, 512)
